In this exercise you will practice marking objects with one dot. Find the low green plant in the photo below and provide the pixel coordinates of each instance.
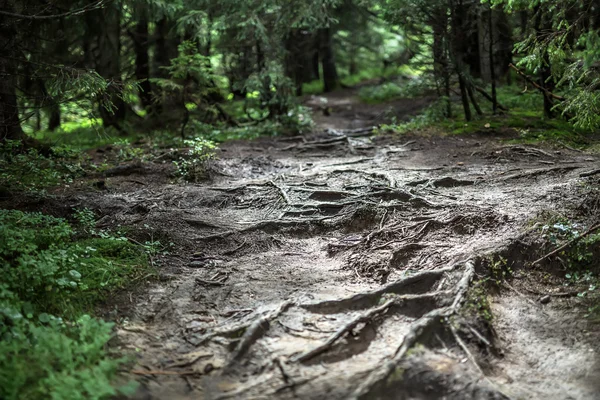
(391, 90)
(477, 303)
(52, 276)
(580, 259)
(28, 170)
(192, 167)
(430, 116)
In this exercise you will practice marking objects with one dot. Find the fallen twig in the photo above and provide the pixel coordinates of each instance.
(535, 84)
(568, 244)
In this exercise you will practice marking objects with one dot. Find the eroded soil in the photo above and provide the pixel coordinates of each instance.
(340, 264)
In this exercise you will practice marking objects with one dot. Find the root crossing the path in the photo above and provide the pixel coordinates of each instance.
(344, 265)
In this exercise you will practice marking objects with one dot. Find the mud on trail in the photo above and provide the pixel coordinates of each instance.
(342, 265)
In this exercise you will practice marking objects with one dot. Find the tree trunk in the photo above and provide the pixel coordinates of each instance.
(492, 63)
(330, 75)
(105, 26)
(459, 44)
(473, 99)
(546, 81)
(142, 60)
(464, 97)
(10, 124)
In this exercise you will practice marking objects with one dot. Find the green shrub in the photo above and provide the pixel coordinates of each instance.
(192, 167)
(31, 171)
(49, 347)
(391, 90)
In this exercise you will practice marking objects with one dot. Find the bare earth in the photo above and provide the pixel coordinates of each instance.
(341, 265)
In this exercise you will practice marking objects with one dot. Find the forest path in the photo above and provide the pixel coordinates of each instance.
(334, 266)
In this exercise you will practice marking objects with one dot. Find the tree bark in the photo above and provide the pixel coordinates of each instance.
(10, 124)
(104, 26)
(330, 74)
(492, 63)
(141, 38)
(473, 99)
(457, 19)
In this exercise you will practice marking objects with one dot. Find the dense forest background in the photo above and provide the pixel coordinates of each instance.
(95, 89)
(190, 64)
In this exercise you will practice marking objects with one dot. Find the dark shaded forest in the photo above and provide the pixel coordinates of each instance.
(342, 199)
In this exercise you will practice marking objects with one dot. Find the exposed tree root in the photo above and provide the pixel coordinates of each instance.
(414, 334)
(368, 299)
(366, 317)
(252, 330)
(540, 171)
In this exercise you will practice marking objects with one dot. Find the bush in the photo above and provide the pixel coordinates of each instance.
(49, 347)
(28, 170)
(192, 167)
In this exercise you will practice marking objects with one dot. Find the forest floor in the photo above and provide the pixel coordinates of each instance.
(341, 264)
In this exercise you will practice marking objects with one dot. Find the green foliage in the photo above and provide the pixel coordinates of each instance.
(30, 171)
(270, 94)
(49, 358)
(429, 117)
(48, 347)
(477, 304)
(580, 259)
(192, 167)
(391, 90)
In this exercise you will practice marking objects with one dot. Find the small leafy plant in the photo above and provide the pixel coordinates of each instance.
(49, 346)
(192, 167)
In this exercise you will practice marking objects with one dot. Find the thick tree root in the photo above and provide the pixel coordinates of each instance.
(416, 331)
(366, 317)
(250, 329)
(254, 332)
(368, 299)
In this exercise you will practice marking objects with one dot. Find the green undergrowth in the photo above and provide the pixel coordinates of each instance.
(27, 170)
(579, 261)
(523, 123)
(391, 90)
(363, 76)
(53, 275)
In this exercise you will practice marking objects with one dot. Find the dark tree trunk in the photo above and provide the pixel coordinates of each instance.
(459, 46)
(165, 47)
(473, 99)
(464, 97)
(51, 105)
(330, 75)
(142, 61)
(54, 117)
(298, 58)
(105, 26)
(492, 63)
(441, 70)
(542, 23)
(10, 124)
(315, 69)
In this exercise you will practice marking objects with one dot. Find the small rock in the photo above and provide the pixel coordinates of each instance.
(197, 264)
(208, 368)
(100, 185)
(545, 299)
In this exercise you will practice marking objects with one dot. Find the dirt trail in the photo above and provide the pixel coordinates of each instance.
(335, 265)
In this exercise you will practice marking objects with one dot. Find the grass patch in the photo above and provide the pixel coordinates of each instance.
(53, 274)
